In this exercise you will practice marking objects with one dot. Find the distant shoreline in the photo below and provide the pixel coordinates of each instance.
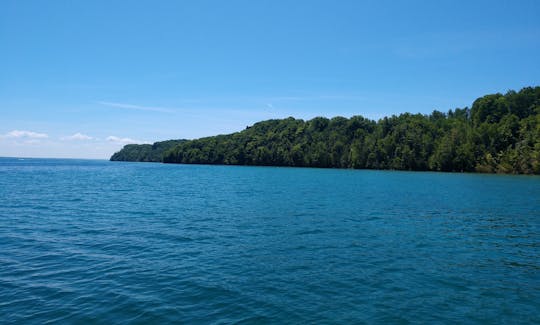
(498, 134)
(58, 158)
(272, 166)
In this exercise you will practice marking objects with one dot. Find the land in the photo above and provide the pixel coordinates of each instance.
(145, 152)
(500, 133)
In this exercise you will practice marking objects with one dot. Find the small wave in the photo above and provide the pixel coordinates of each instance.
(310, 232)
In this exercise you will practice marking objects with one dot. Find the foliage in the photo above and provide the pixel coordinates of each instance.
(145, 152)
(500, 133)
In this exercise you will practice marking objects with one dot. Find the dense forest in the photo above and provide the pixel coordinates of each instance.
(498, 134)
(145, 152)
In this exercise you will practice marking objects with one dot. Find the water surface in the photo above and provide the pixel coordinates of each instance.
(100, 242)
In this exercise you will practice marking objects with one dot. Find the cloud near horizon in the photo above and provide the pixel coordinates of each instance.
(77, 137)
(120, 140)
(18, 134)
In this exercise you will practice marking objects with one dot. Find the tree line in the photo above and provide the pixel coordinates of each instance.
(145, 152)
(500, 133)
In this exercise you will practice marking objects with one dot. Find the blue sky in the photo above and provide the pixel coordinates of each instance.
(82, 78)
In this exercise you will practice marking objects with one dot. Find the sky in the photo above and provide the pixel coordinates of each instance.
(81, 79)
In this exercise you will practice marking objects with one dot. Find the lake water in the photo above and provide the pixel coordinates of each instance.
(102, 242)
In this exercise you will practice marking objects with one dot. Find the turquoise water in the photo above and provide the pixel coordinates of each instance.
(103, 242)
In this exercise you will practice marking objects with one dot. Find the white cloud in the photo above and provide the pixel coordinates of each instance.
(77, 137)
(32, 141)
(17, 134)
(137, 107)
(119, 140)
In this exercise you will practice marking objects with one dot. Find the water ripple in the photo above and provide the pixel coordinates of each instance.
(99, 242)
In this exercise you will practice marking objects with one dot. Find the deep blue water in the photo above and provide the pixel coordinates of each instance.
(107, 242)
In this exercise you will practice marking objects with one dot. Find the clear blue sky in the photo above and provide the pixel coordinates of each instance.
(81, 78)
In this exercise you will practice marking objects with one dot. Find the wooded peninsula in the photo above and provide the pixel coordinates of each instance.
(498, 134)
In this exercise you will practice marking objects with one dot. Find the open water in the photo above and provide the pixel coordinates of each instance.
(103, 242)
